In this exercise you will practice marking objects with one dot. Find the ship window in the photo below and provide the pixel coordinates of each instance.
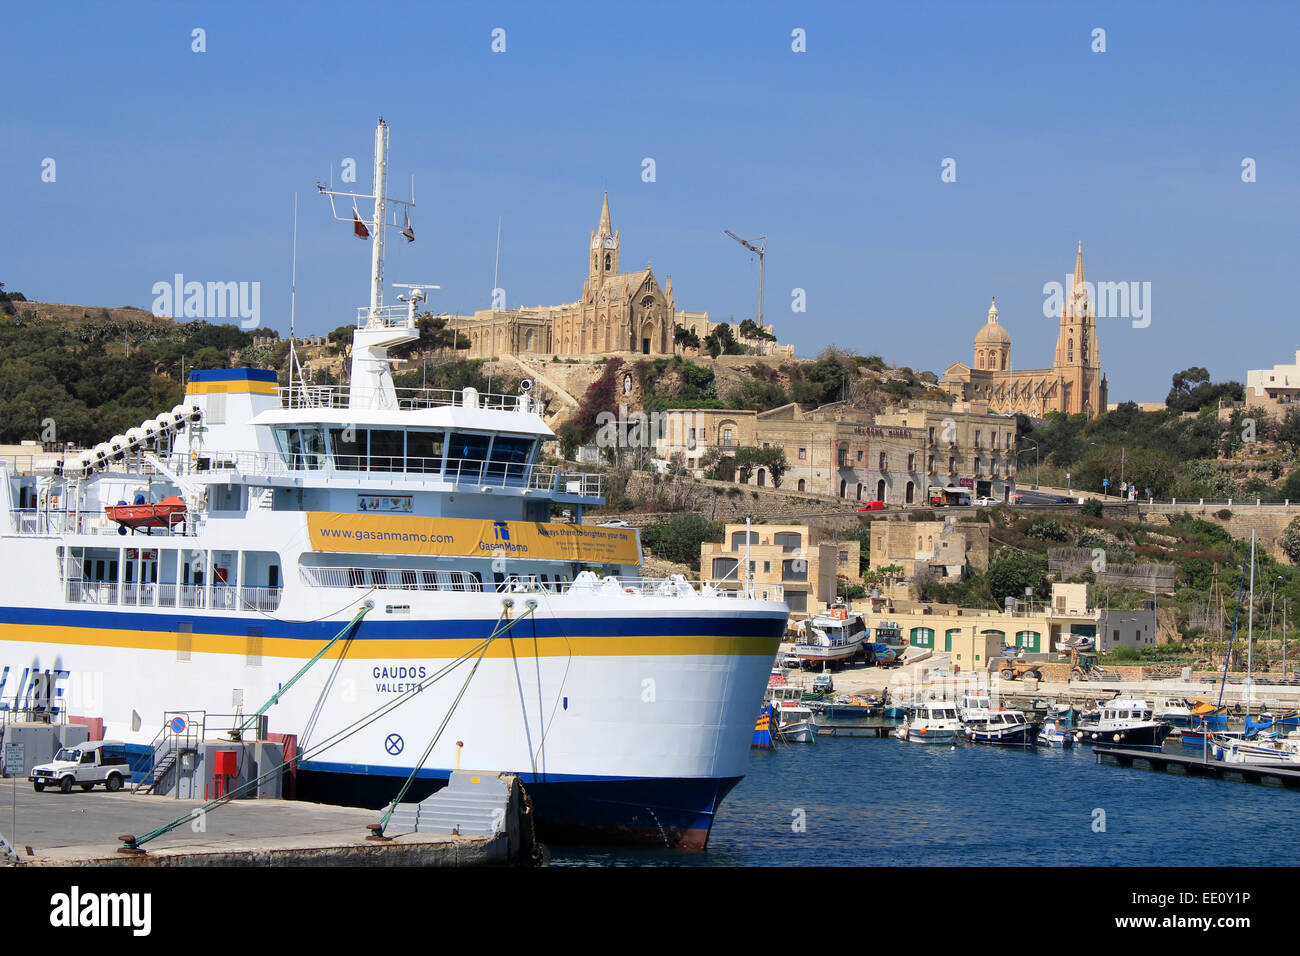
(424, 451)
(349, 446)
(466, 454)
(510, 456)
(387, 449)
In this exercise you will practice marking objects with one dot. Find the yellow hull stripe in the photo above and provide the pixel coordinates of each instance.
(385, 649)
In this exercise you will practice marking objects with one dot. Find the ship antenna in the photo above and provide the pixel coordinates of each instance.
(496, 271)
(293, 294)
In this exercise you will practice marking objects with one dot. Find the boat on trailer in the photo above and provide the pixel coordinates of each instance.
(403, 538)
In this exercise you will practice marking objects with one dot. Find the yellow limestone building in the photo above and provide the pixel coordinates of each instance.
(1074, 384)
(619, 312)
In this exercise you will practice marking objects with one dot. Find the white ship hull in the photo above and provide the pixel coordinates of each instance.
(636, 714)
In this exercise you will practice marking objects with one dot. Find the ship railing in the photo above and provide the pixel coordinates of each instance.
(167, 595)
(456, 471)
(49, 521)
(92, 592)
(223, 597)
(191, 595)
(385, 317)
(408, 399)
(402, 579)
(260, 598)
(139, 594)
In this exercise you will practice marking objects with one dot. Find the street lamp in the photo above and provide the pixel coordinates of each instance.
(1035, 444)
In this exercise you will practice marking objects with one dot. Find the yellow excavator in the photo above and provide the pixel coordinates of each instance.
(1085, 667)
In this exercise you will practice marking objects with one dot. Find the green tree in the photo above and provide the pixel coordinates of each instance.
(686, 338)
(678, 538)
(721, 341)
(1013, 571)
(1290, 542)
(749, 457)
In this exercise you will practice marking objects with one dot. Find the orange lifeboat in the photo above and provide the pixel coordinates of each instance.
(161, 514)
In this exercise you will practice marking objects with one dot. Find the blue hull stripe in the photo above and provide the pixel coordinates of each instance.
(765, 624)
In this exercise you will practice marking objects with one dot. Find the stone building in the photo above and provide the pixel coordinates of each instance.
(1035, 628)
(618, 312)
(950, 548)
(795, 556)
(1273, 391)
(964, 448)
(1074, 384)
(841, 451)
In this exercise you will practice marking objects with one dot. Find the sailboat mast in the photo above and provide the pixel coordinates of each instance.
(377, 252)
(1250, 617)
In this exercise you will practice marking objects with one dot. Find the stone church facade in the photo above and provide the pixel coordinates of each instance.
(618, 312)
(1074, 384)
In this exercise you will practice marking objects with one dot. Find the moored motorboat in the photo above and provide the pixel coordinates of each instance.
(1265, 750)
(1125, 722)
(793, 718)
(933, 722)
(1052, 734)
(1005, 726)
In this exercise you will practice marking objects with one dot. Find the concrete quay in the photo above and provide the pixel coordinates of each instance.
(82, 829)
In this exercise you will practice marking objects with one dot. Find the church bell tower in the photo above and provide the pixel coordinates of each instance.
(604, 250)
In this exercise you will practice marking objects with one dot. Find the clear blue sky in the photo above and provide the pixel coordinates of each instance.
(173, 161)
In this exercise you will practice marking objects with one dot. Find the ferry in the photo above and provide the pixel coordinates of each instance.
(398, 547)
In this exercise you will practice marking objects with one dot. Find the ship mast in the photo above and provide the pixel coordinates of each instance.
(379, 327)
(377, 253)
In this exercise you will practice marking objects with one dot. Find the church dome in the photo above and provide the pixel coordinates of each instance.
(993, 334)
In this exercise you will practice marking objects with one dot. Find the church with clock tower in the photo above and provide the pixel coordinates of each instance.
(1074, 384)
(619, 312)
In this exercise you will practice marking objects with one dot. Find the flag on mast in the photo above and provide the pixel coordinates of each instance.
(358, 227)
(407, 231)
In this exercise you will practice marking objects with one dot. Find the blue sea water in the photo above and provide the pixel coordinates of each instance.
(872, 802)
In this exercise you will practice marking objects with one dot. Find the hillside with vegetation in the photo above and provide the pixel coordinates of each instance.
(71, 374)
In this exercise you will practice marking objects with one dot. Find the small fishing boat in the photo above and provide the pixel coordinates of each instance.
(848, 706)
(160, 514)
(1265, 750)
(1052, 734)
(1004, 726)
(1066, 715)
(1174, 710)
(762, 739)
(1125, 722)
(934, 722)
(793, 720)
(1270, 723)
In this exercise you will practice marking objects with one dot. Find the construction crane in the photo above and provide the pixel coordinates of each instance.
(758, 250)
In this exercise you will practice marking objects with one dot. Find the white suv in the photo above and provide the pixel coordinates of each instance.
(84, 765)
